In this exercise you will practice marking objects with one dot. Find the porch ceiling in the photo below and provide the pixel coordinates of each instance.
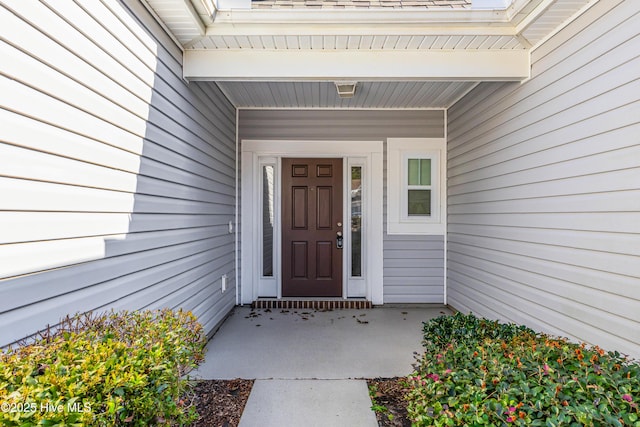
(406, 56)
(396, 94)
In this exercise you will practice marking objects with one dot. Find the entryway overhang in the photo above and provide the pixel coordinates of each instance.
(366, 45)
(472, 41)
(329, 65)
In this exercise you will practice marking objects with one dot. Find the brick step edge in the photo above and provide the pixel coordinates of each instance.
(313, 304)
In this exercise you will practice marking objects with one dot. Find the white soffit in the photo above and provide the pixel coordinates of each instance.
(185, 19)
(415, 94)
(556, 15)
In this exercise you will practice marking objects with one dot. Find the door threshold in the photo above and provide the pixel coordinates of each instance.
(313, 303)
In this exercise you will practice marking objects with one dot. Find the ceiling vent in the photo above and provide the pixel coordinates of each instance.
(346, 89)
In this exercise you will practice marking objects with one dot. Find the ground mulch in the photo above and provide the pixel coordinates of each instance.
(220, 402)
(389, 393)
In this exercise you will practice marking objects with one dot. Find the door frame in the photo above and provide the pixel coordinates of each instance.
(257, 153)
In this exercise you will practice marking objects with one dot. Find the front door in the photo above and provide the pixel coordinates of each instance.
(312, 227)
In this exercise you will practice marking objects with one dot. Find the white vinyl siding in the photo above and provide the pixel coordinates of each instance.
(544, 187)
(117, 179)
(413, 269)
(413, 265)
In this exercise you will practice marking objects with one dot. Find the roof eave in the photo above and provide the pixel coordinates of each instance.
(363, 16)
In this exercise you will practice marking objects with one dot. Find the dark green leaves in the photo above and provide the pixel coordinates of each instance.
(478, 372)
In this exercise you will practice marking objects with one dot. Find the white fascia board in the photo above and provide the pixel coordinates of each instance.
(233, 4)
(369, 22)
(490, 13)
(490, 4)
(358, 29)
(329, 17)
(286, 65)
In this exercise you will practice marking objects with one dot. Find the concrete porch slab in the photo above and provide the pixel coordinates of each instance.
(310, 403)
(309, 344)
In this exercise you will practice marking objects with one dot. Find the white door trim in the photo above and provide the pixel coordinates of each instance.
(253, 155)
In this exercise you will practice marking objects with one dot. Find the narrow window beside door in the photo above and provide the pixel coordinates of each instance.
(356, 221)
(268, 215)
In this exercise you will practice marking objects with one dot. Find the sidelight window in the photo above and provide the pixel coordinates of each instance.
(268, 218)
(356, 221)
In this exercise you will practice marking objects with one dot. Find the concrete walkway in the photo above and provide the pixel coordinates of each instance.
(313, 403)
(309, 365)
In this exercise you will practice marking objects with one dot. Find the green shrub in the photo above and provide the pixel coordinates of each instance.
(120, 368)
(467, 329)
(476, 373)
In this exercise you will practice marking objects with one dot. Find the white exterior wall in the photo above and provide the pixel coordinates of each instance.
(544, 187)
(117, 179)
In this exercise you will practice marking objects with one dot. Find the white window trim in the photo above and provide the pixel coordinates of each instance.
(399, 150)
(257, 152)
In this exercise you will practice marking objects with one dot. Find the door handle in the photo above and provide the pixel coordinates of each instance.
(339, 240)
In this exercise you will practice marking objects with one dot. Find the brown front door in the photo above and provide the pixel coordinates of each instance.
(311, 221)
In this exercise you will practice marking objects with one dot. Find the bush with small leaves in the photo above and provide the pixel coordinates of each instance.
(114, 369)
(481, 373)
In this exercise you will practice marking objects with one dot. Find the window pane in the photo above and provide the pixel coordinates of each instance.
(356, 221)
(267, 220)
(425, 171)
(414, 171)
(419, 202)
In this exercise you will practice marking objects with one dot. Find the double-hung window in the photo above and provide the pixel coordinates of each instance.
(418, 188)
(415, 191)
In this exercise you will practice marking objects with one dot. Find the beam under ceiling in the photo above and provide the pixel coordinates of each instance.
(289, 65)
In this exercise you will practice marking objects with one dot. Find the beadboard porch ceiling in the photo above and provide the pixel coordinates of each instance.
(419, 54)
(397, 94)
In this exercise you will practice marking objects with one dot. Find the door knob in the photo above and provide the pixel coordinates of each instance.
(339, 240)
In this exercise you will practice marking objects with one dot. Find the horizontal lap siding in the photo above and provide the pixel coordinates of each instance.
(544, 187)
(340, 125)
(413, 269)
(117, 178)
(413, 265)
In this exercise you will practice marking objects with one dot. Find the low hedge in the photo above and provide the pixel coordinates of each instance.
(119, 368)
(476, 372)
